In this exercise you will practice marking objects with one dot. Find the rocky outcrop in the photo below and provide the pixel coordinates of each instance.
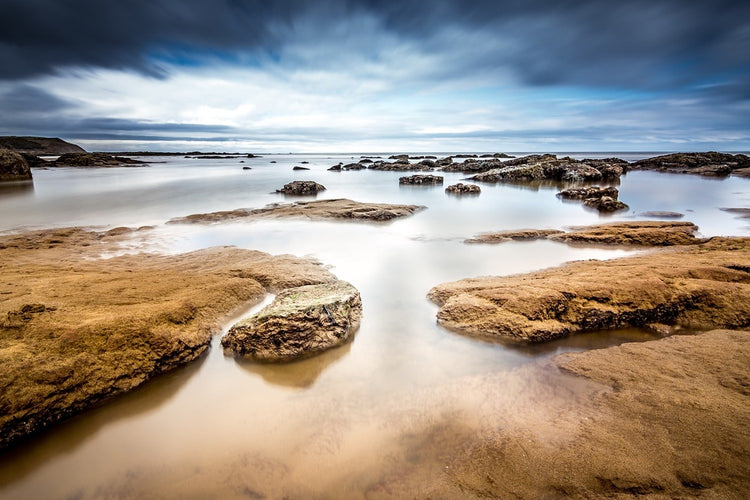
(698, 286)
(93, 160)
(77, 329)
(421, 180)
(472, 166)
(549, 167)
(297, 167)
(639, 233)
(399, 166)
(13, 166)
(317, 210)
(300, 322)
(301, 188)
(461, 188)
(710, 164)
(603, 199)
(355, 166)
(39, 146)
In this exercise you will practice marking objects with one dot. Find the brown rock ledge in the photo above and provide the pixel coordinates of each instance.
(300, 322)
(76, 329)
(698, 286)
(669, 420)
(321, 209)
(639, 233)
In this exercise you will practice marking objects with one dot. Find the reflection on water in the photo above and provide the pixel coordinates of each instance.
(355, 419)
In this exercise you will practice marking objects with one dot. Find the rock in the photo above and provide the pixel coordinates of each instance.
(247, 168)
(39, 146)
(399, 157)
(588, 192)
(336, 168)
(272, 161)
(304, 162)
(250, 155)
(317, 210)
(603, 199)
(473, 166)
(78, 329)
(445, 161)
(354, 166)
(300, 322)
(366, 160)
(659, 214)
(640, 233)
(549, 167)
(301, 188)
(296, 167)
(496, 155)
(399, 166)
(743, 213)
(93, 160)
(463, 189)
(13, 166)
(428, 163)
(710, 164)
(605, 204)
(421, 180)
(35, 161)
(465, 156)
(697, 286)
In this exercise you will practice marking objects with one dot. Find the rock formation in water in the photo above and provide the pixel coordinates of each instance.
(710, 164)
(76, 329)
(461, 188)
(300, 322)
(297, 167)
(637, 233)
(13, 166)
(319, 210)
(93, 160)
(603, 199)
(39, 146)
(697, 286)
(421, 180)
(548, 167)
(302, 188)
(400, 166)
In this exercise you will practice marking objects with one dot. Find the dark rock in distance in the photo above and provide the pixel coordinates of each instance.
(336, 168)
(93, 160)
(461, 188)
(420, 180)
(301, 188)
(13, 166)
(710, 164)
(296, 167)
(247, 168)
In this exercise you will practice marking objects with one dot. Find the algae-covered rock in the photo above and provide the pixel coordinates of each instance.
(300, 322)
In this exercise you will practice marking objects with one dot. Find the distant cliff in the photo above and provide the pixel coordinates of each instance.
(39, 145)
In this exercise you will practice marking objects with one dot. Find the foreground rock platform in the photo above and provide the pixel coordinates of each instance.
(300, 322)
(340, 208)
(636, 233)
(660, 419)
(698, 286)
(76, 329)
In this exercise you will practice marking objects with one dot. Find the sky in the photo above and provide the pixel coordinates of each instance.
(378, 76)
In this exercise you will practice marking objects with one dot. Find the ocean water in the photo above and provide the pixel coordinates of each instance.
(225, 428)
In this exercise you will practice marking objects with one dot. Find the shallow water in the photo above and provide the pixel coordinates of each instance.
(225, 428)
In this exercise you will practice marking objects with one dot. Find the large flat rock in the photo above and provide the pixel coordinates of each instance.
(341, 209)
(76, 329)
(300, 322)
(697, 286)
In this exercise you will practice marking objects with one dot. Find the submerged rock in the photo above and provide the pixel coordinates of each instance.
(301, 188)
(461, 188)
(605, 204)
(297, 167)
(13, 166)
(300, 322)
(421, 180)
(639, 233)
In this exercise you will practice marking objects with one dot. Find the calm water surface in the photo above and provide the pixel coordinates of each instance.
(225, 428)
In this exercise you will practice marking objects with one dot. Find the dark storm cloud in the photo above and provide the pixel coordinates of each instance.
(28, 99)
(637, 43)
